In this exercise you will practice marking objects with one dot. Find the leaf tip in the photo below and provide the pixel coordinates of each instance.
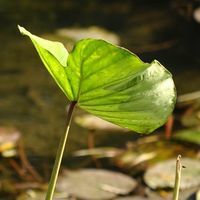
(22, 30)
(156, 62)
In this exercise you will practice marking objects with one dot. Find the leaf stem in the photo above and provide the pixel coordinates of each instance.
(59, 155)
(177, 178)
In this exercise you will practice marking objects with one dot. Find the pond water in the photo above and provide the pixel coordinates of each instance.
(29, 98)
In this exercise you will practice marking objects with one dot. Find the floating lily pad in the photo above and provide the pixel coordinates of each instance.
(162, 175)
(95, 184)
(189, 135)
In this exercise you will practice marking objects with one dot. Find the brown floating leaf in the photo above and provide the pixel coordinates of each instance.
(95, 184)
(162, 174)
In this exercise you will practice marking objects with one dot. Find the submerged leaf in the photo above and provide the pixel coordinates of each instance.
(114, 84)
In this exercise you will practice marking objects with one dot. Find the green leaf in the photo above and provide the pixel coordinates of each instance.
(114, 84)
(54, 56)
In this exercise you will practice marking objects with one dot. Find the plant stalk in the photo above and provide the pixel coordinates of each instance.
(177, 178)
(59, 155)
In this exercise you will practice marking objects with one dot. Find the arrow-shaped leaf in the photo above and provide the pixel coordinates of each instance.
(112, 83)
(54, 56)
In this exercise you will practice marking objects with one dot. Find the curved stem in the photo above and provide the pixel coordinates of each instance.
(59, 155)
(177, 178)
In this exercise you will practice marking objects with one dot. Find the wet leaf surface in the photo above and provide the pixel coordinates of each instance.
(95, 184)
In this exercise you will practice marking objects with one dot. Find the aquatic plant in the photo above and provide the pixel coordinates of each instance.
(109, 82)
